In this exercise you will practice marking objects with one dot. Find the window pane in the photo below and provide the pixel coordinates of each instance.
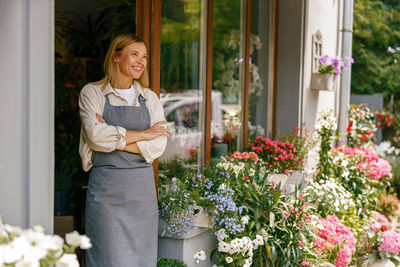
(228, 65)
(258, 92)
(181, 95)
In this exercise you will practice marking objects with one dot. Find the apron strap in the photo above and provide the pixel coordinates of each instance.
(142, 101)
(107, 101)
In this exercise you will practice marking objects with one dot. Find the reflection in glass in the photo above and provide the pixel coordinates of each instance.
(259, 62)
(227, 75)
(181, 95)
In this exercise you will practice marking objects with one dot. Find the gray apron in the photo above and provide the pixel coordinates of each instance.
(121, 204)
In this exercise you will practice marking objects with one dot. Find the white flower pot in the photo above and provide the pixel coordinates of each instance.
(325, 82)
(382, 263)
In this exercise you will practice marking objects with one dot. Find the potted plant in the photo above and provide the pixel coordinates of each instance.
(328, 71)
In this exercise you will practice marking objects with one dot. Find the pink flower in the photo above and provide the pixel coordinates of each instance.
(376, 227)
(286, 171)
(334, 232)
(391, 242)
(237, 154)
(301, 243)
(379, 217)
(305, 263)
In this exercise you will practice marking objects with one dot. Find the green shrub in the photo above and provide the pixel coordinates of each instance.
(163, 262)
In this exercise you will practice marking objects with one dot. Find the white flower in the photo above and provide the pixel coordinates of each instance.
(228, 259)
(245, 220)
(38, 228)
(68, 260)
(36, 247)
(221, 234)
(248, 262)
(199, 256)
(223, 247)
(232, 249)
(77, 240)
(27, 262)
(12, 229)
(14, 250)
(239, 243)
(264, 234)
(252, 172)
(222, 187)
(259, 241)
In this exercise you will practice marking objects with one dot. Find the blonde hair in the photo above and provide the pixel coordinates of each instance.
(119, 43)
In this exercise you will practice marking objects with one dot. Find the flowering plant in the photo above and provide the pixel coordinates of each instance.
(334, 65)
(389, 121)
(325, 127)
(32, 247)
(331, 198)
(279, 157)
(361, 128)
(177, 208)
(337, 242)
(380, 240)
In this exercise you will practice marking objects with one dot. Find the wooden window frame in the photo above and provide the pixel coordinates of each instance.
(149, 28)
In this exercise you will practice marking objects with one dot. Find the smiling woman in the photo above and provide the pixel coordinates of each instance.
(121, 135)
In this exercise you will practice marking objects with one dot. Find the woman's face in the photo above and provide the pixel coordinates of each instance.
(132, 60)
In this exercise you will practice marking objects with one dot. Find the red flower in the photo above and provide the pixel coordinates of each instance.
(350, 126)
(363, 137)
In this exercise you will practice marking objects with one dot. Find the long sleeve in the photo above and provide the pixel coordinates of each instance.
(154, 148)
(99, 136)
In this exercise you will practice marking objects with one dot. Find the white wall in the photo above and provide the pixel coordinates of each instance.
(298, 21)
(26, 112)
(290, 36)
(326, 16)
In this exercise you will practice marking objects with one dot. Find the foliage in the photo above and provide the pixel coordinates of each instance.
(301, 139)
(164, 262)
(380, 240)
(325, 127)
(123, 13)
(331, 198)
(389, 121)
(376, 38)
(67, 130)
(389, 204)
(177, 208)
(280, 157)
(360, 131)
(85, 35)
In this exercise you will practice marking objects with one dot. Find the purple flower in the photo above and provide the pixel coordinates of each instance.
(323, 59)
(350, 59)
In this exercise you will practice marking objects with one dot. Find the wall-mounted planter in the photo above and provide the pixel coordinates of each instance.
(325, 82)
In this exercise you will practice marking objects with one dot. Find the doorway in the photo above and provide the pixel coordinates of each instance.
(83, 31)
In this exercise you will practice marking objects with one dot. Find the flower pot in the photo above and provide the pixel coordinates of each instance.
(61, 203)
(326, 82)
(202, 219)
(218, 151)
(382, 263)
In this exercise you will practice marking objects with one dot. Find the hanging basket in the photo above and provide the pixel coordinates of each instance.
(325, 82)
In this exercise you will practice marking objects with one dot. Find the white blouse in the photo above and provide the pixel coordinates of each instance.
(106, 138)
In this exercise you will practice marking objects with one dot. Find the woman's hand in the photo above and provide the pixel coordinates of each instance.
(100, 118)
(155, 131)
